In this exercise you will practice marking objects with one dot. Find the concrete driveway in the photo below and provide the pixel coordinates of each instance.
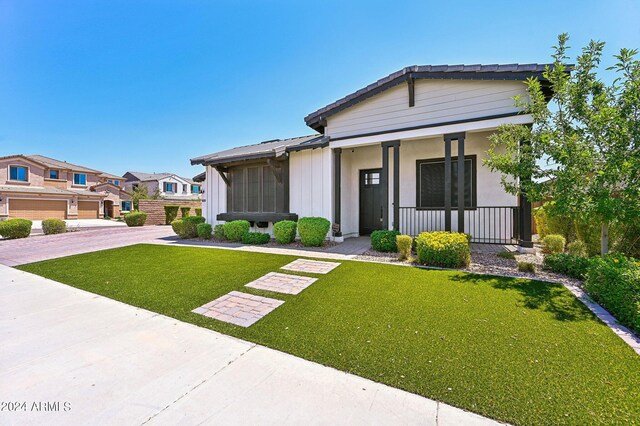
(78, 224)
(72, 357)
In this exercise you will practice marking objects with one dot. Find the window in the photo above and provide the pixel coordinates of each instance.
(170, 187)
(195, 189)
(134, 186)
(54, 174)
(116, 182)
(253, 189)
(18, 173)
(184, 188)
(79, 179)
(125, 206)
(430, 182)
(372, 178)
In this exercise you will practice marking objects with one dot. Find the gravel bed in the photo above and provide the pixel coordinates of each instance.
(376, 256)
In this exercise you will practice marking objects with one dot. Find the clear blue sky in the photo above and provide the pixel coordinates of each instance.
(123, 85)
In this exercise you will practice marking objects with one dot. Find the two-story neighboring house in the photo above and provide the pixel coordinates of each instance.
(38, 187)
(167, 185)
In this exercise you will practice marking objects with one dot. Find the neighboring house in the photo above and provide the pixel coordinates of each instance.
(39, 187)
(404, 153)
(168, 185)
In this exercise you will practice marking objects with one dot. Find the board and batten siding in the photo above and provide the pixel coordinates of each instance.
(215, 196)
(310, 183)
(436, 101)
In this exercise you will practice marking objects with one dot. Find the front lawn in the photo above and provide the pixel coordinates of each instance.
(520, 351)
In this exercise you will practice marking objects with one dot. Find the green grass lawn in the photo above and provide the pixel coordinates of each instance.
(520, 351)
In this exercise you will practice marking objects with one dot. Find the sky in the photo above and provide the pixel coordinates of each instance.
(146, 85)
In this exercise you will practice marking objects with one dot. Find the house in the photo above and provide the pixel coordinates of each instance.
(167, 185)
(404, 153)
(38, 187)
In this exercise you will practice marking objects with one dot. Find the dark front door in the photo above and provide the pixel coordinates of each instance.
(370, 201)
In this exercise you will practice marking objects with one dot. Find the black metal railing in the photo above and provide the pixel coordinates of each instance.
(488, 224)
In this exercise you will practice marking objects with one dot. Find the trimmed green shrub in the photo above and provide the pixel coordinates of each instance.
(445, 249)
(204, 230)
(506, 255)
(15, 228)
(234, 230)
(577, 248)
(526, 267)
(198, 211)
(178, 227)
(184, 211)
(553, 243)
(135, 218)
(256, 238)
(218, 232)
(548, 223)
(190, 224)
(54, 226)
(170, 213)
(384, 241)
(285, 231)
(313, 231)
(567, 264)
(614, 282)
(404, 244)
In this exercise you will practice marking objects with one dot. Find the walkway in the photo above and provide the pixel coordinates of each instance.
(105, 362)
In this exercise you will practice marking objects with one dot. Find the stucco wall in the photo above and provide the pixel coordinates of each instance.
(35, 174)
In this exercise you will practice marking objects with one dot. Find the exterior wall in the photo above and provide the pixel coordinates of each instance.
(214, 199)
(155, 209)
(311, 183)
(436, 101)
(35, 177)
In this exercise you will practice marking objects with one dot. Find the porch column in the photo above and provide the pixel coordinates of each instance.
(447, 184)
(396, 186)
(448, 179)
(524, 237)
(384, 184)
(384, 181)
(337, 176)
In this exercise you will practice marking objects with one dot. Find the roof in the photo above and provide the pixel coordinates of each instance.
(52, 163)
(47, 190)
(200, 177)
(267, 149)
(146, 177)
(315, 120)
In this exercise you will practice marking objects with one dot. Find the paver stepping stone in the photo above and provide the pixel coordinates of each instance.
(239, 308)
(282, 283)
(311, 266)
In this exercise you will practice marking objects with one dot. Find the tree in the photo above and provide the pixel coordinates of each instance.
(583, 148)
(141, 192)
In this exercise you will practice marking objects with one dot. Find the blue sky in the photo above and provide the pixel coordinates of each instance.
(146, 85)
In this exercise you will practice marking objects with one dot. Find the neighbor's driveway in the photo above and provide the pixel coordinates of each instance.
(111, 363)
(44, 247)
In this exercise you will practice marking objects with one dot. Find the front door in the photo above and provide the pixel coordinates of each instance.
(370, 201)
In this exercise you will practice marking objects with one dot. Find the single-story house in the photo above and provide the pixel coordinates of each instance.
(404, 153)
(167, 185)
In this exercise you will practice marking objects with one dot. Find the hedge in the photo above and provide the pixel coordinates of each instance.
(170, 213)
(567, 264)
(256, 238)
(384, 241)
(190, 224)
(184, 211)
(135, 218)
(204, 230)
(15, 228)
(54, 226)
(285, 231)
(234, 230)
(198, 211)
(553, 243)
(445, 249)
(313, 231)
(218, 232)
(404, 243)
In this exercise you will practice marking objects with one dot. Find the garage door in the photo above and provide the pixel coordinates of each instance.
(88, 209)
(37, 209)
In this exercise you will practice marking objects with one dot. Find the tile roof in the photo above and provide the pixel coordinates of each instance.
(47, 190)
(146, 177)
(58, 164)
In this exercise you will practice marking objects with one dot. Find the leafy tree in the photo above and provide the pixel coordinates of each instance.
(583, 148)
(141, 192)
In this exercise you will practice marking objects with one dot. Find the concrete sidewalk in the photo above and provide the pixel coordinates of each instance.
(111, 363)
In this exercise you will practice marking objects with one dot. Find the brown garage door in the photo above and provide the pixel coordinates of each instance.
(88, 209)
(37, 209)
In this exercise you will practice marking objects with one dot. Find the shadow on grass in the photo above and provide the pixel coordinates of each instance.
(539, 295)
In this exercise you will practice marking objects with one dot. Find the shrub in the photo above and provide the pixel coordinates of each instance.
(190, 224)
(218, 232)
(526, 267)
(170, 213)
(553, 243)
(135, 218)
(178, 227)
(577, 248)
(506, 255)
(15, 228)
(234, 230)
(285, 231)
(54, 226)
(256, 238)
(404, 244)
(313, 231)
(384, 241)
(198, 211)
(446, 249)
(204, 230)
(549, 223)
(614, 282)
(185, 211)
(567, 264)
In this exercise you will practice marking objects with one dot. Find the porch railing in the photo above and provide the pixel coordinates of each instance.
(490, 224)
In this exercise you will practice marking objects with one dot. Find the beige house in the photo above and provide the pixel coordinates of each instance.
(169, 186)
(38, 187)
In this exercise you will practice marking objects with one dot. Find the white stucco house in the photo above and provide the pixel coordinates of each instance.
(168, 185)
(392, 155)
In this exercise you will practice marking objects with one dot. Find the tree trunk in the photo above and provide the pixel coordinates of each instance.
(604, 239)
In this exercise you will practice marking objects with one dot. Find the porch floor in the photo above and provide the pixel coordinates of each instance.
(492, 248)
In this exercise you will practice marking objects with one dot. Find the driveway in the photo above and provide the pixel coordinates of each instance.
(77, 224)
(93, 360)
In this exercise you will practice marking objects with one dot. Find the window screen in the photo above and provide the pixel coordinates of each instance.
(430, 183)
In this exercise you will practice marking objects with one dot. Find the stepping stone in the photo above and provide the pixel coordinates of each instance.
(238, 308)
(311, 266)
(282, 283)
